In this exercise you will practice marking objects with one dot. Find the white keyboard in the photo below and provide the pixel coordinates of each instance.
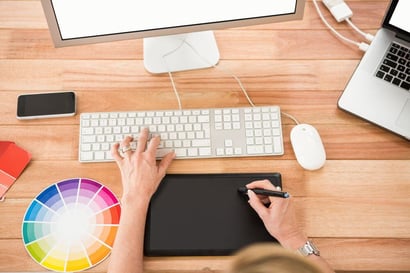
(195, 133)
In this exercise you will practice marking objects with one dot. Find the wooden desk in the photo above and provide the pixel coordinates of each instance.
(356, 208)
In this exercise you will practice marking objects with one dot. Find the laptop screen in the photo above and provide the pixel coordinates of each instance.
(397, 18)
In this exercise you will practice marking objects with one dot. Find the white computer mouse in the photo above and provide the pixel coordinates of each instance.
(308, 147)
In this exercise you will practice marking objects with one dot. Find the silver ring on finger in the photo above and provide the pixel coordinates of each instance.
(125, 149)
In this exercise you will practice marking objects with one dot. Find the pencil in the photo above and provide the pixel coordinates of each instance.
(281, 194)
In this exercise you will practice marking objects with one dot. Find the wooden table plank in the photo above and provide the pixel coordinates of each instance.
(233, 44)
(99, 75)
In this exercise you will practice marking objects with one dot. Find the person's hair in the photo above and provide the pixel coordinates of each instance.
(270, 258)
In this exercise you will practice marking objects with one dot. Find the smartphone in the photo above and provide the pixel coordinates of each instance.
(46, 105)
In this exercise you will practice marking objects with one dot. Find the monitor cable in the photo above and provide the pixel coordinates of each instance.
(225, 71)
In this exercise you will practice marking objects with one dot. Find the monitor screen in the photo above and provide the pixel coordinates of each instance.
(77, 22)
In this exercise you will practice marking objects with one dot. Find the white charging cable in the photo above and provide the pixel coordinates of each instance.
(341, 12)
(369, 37)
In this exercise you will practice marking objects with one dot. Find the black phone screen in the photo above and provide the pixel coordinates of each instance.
(62, 103)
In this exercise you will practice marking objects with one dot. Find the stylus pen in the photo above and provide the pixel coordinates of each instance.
(281, 194)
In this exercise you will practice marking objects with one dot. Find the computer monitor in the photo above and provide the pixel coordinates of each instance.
(177, 33)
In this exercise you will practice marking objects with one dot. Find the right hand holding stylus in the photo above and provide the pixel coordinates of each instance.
(279, 218)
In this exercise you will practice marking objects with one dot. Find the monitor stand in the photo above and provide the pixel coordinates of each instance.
(180, 52)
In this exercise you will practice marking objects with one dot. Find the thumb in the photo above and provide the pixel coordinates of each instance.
(257, 204)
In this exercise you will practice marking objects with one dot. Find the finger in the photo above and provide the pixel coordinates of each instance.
(263, 184)
(126, 142)
(142, 140)
(125, 147)
(257, 205)
(153, 145)
(114, 152)
(166, 162)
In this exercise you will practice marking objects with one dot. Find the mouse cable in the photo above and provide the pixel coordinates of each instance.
(290, 116)
(225, 71)
(361, 45)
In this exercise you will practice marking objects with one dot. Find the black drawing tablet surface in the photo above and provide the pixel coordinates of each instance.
(203, 214)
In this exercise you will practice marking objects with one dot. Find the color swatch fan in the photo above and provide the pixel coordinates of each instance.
(71, 225)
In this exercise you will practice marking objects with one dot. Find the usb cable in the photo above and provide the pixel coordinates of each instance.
(341, 12)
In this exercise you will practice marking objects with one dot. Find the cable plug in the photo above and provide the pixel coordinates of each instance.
(363, 46)
(369, 37)
(339, 9)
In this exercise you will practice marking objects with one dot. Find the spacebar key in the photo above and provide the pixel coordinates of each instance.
(162, 152)
(179, 152)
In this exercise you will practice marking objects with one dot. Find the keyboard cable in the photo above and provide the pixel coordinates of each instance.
(184, 41)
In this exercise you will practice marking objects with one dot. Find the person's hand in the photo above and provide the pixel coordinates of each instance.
(140, 172)
(279, 218)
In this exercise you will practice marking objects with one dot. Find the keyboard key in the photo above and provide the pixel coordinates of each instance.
(380, 74)
(401, 53)
(402, 76)
(86, 156)
(393, 50)
(405, 85)
(390, 63)
(384, 68)
(396, 81)
(388, 78)
(392, 57)
(204, 151)
(394, 72)
(395, 45)
(257, 149)
(401, 68)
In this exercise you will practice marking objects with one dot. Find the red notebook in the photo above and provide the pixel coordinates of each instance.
(13, 160)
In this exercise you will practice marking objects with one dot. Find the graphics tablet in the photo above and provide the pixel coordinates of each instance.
(203, 214)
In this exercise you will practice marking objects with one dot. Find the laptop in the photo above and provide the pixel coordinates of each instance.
(379, 90)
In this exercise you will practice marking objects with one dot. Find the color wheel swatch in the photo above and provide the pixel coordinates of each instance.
(71, 225)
